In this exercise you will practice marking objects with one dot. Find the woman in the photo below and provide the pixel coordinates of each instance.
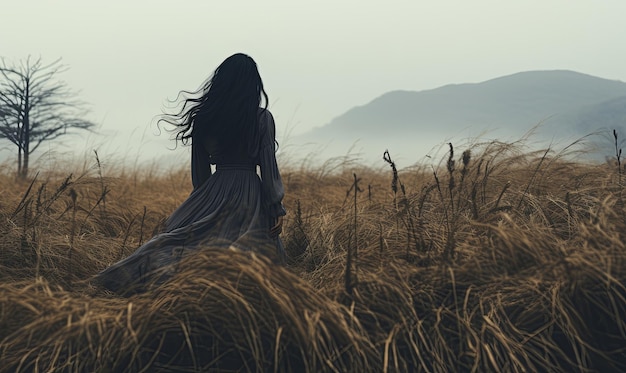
(231, 207)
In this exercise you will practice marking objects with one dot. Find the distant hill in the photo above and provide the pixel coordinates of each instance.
(567, 103)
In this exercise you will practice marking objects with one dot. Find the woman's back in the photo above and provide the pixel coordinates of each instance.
(238, 150)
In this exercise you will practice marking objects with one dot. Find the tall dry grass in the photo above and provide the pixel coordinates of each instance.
(496, 258)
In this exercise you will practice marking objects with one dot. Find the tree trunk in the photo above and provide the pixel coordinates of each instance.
(20, 142)
(19, 161)
(24, 174)
(26, 133)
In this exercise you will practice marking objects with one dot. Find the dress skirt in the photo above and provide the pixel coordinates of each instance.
(226, 210)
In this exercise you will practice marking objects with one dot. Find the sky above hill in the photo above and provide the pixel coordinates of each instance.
(317, 58)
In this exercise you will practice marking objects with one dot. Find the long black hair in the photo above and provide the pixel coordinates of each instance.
(225, 107)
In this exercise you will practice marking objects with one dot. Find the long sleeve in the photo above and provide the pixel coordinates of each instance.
(200, 166)
(272, 184)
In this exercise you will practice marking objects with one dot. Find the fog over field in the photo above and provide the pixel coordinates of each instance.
(318, 60)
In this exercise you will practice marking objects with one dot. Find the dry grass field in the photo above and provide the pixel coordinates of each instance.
(490, 259)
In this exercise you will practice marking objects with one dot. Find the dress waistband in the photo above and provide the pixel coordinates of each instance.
(235, 167)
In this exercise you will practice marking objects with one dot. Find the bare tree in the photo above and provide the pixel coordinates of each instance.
(36, 107)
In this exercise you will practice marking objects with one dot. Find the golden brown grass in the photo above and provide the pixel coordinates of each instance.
(496, 259)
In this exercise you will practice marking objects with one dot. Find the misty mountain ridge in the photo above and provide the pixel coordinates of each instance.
(565, 103)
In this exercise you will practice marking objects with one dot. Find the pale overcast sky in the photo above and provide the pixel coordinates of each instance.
(317, 58)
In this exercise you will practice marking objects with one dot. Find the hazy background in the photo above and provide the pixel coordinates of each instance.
(317, 58)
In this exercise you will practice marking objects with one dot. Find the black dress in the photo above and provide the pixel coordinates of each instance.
(231, 207)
